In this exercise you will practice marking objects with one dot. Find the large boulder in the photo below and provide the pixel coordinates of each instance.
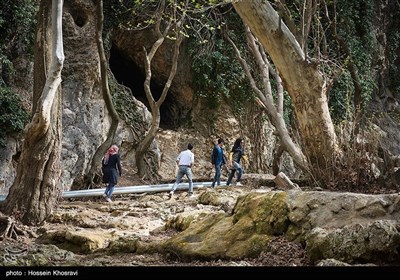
(350, 227)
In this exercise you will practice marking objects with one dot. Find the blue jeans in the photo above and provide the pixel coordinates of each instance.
(109, 190)
(236, 167)
(183, 170)
(217, 177)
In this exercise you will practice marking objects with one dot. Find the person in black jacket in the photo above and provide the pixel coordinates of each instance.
(111, 167)
(236, 154)
(218, 159)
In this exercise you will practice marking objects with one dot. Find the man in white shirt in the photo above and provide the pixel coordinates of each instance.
(184, 161)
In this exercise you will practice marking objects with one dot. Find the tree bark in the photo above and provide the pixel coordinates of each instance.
(36, 187)
(254, 121)
(305, 84)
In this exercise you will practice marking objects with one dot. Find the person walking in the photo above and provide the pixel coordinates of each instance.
(185, 162)
(111, 168)
(218, 159)
(236, 154)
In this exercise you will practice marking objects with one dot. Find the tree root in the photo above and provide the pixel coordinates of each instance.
(9, 228)
(151, 172)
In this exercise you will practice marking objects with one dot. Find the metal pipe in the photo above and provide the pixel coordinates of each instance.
(130, 189)
(133, 189)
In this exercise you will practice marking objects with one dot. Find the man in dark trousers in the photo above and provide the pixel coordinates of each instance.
(218, 159)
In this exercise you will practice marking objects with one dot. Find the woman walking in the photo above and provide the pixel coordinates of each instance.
(111, 167)
(236, 154)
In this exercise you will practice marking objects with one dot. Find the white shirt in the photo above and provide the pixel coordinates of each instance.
(185, 158)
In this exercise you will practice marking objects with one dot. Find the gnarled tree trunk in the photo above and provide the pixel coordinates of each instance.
(37, 184)
(305, 84)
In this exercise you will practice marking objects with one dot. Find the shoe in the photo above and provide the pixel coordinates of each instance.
(190, 194)
(238, 184)
(108, 199)
(171, 193)
(212, 186)
(104, 195)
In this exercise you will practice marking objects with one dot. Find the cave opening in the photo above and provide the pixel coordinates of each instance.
(129, 74)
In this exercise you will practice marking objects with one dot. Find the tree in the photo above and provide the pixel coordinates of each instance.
(266, 100)
(306, 85)
(176, 17)
(170, 21)
(36, 188)
(106, 95)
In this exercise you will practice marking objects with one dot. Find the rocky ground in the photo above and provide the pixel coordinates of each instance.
(144, 216)
(148, 213)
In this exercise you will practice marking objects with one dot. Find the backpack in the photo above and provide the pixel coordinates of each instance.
(212, 156)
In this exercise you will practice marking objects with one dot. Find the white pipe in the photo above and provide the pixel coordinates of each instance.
(130, 189)
(133, 189)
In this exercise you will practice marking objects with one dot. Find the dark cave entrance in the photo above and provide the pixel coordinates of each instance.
(130, 75)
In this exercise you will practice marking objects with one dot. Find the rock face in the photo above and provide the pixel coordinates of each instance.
(7, 169)
(127, 62)
(348, 227)
(84, 116)
(84, 120)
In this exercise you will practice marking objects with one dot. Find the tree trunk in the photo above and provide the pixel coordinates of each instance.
(37, 186)
(305, 84)
(144, 145)
(96, 159)
(254, 123)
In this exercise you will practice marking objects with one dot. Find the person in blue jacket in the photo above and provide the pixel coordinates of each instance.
(218, 159)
